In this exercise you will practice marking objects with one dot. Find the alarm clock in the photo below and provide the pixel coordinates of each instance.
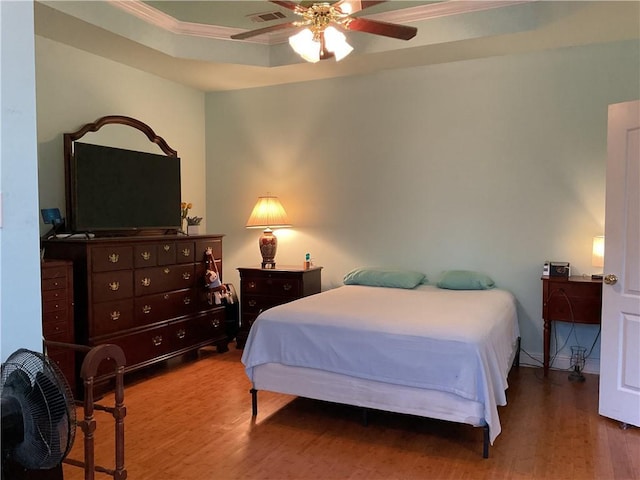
(559, 269)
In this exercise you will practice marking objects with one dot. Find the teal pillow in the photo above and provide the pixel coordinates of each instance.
(384, 277)
(465, 280)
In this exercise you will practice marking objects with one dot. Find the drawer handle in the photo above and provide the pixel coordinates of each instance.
(287, 287)
(215, 323)
(56, 284)
(186, 252)
(186, 276)
(166, 270)
(157, 340)
(166, 296)
(181, 333)
(252, 303)
(146, 255)
(114, 286)
(166, 248)
(114, 258)
(252, 285)
(146, 281)
(115, 315)
(187, 300)
(146, 309)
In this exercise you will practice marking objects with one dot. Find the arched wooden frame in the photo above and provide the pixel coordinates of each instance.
(69, 138)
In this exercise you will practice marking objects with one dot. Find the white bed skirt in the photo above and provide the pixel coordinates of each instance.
(332, 387)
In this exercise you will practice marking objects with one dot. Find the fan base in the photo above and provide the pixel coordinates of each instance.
(12, 471)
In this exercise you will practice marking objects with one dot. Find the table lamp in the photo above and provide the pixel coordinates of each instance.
(268, 213)
(597, 257)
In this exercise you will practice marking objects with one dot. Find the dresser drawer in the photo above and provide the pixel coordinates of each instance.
(206, 328)
(65, 361)
(162, 279)
(60, 315)
(54, 305)
(111, 317)
(110, 286)
(59, 295)
(166, 253)
(105, 259)
(162, 306)
(59, 327)
(185, 252)
(142, 347)
(51, 270)
(216, 248)
(145, 255)
(57, 283)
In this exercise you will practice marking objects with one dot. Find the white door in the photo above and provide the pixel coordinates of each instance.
(620, 347)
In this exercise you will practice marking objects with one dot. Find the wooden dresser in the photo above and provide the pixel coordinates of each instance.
(261, 289)
(145, 294)
(57, 314)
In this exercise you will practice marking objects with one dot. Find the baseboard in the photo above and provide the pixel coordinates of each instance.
(563, 362)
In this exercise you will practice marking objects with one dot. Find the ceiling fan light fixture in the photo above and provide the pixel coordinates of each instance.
(336, 42)
(303, 44)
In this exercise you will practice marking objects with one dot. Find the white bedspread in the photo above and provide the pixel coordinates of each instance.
(460, 342)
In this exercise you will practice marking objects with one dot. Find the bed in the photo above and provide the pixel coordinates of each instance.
(425, 351)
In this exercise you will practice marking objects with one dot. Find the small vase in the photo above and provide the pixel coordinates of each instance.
(193, 229)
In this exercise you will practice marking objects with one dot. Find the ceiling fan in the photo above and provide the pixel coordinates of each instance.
(321, 39)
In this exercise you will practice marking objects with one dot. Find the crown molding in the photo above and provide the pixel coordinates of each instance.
(445, 8)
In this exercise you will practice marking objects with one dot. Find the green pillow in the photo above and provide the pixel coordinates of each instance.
(384, 277)
(465, 280)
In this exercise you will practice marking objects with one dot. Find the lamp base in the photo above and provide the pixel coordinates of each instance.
(268, 245)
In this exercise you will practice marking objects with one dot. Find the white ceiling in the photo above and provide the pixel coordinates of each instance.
(188, 41)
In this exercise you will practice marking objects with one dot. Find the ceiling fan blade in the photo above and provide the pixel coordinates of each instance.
(393, 30)
(353, 6)
(289, 5)
(260, 31)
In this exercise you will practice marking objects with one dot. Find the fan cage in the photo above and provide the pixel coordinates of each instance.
(47, 405)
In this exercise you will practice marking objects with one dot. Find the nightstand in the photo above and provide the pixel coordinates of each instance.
(573, 299)
(261, 289)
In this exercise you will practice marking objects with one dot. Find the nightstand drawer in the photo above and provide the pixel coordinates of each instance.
(289, 287)
(583, 310)
(256, 304)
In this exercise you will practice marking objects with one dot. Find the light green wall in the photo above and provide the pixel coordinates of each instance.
(75, 87)
(495, 165)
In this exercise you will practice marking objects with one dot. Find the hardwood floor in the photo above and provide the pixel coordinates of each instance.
(192, 421)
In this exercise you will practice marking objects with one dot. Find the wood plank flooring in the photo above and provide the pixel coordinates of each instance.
(192, 421)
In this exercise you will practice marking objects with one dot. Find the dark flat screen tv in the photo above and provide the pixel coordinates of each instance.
(115, 190)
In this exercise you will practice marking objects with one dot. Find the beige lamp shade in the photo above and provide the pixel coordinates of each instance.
(597, 257)
(268, 213)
